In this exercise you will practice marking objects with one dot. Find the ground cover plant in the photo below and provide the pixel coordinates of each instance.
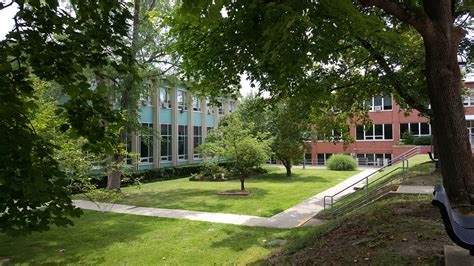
(111, 239)
(271, 193)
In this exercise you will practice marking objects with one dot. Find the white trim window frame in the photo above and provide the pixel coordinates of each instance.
(380, 103)
(181, 100)
(411, 127)
(165, 143)
(196, 103)
(376, 132)
(165, 98)
(197, 140)
(182, 142)
(146, 144)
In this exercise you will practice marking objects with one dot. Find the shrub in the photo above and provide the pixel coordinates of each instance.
(408, 138)
(341, 162)
(425, 140)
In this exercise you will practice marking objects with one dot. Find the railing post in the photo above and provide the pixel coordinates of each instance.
(407, 168)
(367, 189)
(324, 203)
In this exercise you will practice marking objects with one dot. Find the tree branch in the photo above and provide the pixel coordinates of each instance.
(391, 76)
(399, 11)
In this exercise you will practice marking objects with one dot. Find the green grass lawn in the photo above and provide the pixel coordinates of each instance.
(108, 238)
(271, 193)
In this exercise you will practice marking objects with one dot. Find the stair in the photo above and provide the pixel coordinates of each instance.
(370, 188)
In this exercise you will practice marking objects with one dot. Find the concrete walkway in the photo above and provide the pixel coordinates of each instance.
(414, 190)
(292, 217)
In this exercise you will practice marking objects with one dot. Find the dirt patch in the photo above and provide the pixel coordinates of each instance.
(234, 193)
(393, 231)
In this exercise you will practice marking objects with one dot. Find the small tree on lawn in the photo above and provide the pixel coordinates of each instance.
(243, 151)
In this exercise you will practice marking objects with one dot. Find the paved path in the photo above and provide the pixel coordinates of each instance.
(414, 190)
(292, 217)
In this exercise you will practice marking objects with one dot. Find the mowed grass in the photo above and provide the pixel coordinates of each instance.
(111, 239)
(271, 193)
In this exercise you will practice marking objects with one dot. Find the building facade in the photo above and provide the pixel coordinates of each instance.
(183, 120)
(378, 144)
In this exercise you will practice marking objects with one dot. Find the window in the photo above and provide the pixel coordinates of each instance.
(197, 140)
(210, 109)
(470, 128)
(468, 100)
(379, 103)
(378, 159)
(146, 144)
(145, 95)
(231, 106)
(323, 157)
(221, 106)
(416, 129)
(128, 158)
(196, 104)
(308, 158)
(182, 142)
(165, 98)
(374, 132)
(181, 99)
(166, 133)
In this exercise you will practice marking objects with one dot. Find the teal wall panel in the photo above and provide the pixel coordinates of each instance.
(182, 118)
(165, 116)
(146, 114)
(197, 118)
(210, 120)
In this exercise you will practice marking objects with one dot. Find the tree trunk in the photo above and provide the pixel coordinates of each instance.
(242, 184)
(114, 179)
(434, 145)
(444, 83)
(288, 170)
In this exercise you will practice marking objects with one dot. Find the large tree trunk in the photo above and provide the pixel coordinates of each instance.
(288, 170)
(444, 83)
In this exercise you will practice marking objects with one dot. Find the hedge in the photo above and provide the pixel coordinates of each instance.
(149, 175)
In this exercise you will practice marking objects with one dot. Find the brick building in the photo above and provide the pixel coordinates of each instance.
(375, 145)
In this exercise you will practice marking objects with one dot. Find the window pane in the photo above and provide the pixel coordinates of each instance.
(388, 131)
(414, 129)
(378, 131)
(387, 102)
(378, 101)
(403, 129)
(360, 132)
(369, 132)
(425, 129)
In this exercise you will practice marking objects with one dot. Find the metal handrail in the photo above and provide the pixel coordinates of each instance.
(401, 158)
(376, 189)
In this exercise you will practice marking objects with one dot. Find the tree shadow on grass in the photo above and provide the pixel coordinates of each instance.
(87, 242)
(295, 178)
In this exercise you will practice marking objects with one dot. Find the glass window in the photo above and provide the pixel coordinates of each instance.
(414, 128)
(388, 133)
(221, 106)
(424, 128)
(146, 144)
(378, 131)
(166, 134)
(196, 103)
(378, 101)
(387, 102)
(197, 140)
(182, 142)
(403, 129)
(369, 132)
(181, 98)
(165, 98)
(360, 132)
(231, 106)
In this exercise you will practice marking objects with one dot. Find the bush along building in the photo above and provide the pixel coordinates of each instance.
(393, 133)
(183, 120)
